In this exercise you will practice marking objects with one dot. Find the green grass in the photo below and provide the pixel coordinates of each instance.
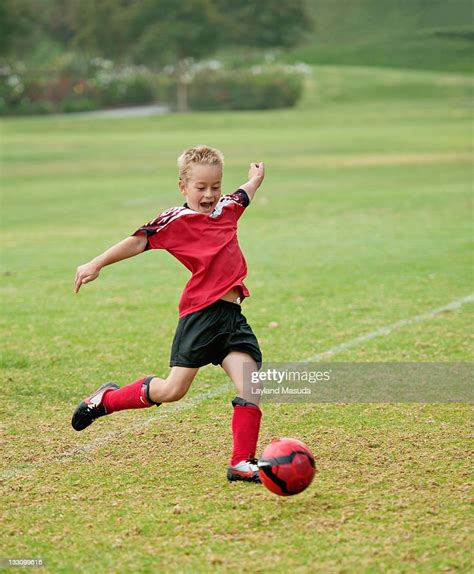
(434, 35)
(364, 219)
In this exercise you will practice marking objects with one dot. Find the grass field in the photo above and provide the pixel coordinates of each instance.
(364, 219)
(415, 34)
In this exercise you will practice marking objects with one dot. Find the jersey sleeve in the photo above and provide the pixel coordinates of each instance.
(157, 230)
(236, 201)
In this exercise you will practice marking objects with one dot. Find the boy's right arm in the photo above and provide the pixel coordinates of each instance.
(129, 247)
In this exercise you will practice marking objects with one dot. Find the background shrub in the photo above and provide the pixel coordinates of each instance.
(258, 88)
(74, 84)
(77, 84)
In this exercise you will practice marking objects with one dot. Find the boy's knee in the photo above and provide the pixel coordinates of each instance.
(173, 391)
(169, 390)
(175, 394)
(163, 392)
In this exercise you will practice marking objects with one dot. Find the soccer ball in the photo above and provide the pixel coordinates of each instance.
(286, 466)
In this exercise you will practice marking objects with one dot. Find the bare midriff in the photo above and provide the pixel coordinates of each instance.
(234, 295)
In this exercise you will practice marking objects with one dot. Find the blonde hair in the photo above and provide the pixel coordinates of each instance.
(201, 155)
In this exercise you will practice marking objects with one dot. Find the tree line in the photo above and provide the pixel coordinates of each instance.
(151, 32)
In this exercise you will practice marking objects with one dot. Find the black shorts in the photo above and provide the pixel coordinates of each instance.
(209, 335)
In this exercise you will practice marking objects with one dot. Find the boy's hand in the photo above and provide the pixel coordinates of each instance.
(257, 173)
(85, 274)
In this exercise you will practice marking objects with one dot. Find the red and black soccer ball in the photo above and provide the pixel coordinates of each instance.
(286, 466)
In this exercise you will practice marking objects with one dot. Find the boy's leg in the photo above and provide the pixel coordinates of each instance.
(245, 419)
(142, 393)
(174, 387)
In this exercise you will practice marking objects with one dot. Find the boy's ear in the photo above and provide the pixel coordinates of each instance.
(182, 186)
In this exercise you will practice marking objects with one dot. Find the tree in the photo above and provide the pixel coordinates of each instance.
(169, 32)
(100, 27)
(265, 23)
(17, 23)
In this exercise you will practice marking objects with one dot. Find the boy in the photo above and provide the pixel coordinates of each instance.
(211, 329)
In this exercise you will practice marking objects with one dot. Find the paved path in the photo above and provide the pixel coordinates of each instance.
(132, 112)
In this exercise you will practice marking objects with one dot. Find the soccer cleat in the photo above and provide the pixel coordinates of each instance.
(91, 408)
(246, 470)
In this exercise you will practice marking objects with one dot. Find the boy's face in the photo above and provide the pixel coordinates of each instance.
(202, 189)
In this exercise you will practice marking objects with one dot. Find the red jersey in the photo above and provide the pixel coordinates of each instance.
(207, 245)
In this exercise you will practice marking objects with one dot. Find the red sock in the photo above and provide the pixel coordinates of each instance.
(132, 396)
(245, 428)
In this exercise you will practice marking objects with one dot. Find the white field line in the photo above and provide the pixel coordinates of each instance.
(390, 328)
(218, 391)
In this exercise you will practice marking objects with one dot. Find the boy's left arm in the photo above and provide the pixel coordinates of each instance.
(256, 175)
